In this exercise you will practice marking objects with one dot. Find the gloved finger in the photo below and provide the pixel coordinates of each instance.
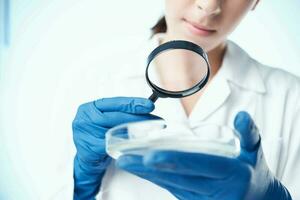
(134, 165)
(89, 113)
(201, 185)
(131, 162)
(116, 118)
(90, 148)
(194, 164)
(92, 168)
(133, 105)
(247, 130)
(85, 127)
(186, 195)
(195, 184)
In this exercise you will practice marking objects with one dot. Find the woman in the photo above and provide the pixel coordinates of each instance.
(238, 83)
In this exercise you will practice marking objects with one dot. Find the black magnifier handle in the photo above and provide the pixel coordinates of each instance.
(153, 97)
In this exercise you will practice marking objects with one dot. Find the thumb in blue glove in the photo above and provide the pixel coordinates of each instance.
(263, 184)
(193, 176)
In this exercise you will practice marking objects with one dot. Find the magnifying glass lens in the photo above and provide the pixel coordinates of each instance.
(177, 70)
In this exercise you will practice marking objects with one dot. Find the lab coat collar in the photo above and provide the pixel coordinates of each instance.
(239, 68)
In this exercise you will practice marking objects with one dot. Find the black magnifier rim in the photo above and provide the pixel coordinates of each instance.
(171, 45)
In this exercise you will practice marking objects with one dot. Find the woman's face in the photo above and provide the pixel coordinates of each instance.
(205, 22)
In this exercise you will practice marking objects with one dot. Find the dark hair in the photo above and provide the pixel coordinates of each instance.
(160, 26)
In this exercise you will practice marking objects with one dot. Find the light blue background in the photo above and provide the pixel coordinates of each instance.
(48, 35)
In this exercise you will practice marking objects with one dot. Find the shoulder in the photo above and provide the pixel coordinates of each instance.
(282, 90)
(252, 70)
(278, 80)
(279, 88)
(276, 75)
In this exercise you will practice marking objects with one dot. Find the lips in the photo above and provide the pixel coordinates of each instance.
(198, 29)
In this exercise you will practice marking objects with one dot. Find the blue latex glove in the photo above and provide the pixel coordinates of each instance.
(89, 127)
(191, 176)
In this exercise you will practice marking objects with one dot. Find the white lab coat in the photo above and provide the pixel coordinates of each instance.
(270, 95)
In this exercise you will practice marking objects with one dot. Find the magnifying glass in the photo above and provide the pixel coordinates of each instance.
(177, 69)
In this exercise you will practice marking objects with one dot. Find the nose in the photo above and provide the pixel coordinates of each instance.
(209, 7)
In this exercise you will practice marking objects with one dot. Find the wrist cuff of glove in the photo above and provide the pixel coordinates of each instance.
(277, 191)
(92, 168)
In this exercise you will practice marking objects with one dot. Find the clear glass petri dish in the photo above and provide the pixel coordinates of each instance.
(141, 137)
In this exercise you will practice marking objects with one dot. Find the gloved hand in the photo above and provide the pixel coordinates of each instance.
(89, 127)
(196, 176)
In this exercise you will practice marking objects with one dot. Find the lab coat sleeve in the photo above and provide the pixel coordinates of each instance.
(291, 175)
